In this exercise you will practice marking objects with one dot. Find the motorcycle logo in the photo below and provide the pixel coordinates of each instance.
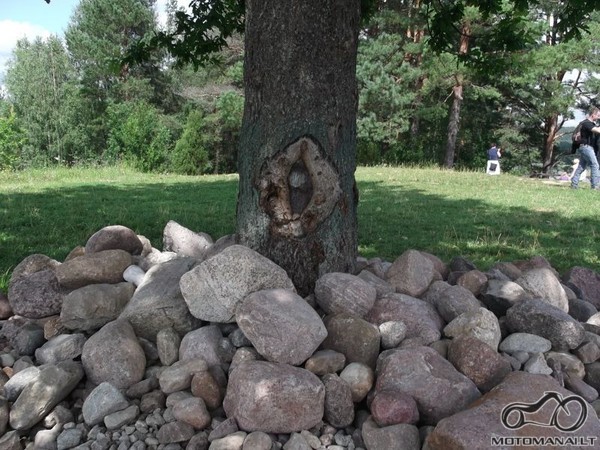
(569, 413)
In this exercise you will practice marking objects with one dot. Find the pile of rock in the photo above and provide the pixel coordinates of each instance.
(206, 345)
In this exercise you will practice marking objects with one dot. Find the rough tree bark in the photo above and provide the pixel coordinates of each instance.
(551, 128)
(457, 100)
(297, 195)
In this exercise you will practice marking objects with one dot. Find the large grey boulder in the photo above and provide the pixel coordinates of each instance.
(437, 387)
(542, 283)
(280, 324)
(158, 302)
(52, 385)
(421, 318)
(33, 289)
(411, 273)
(204, 342)
(91, 307)
(106, 266)
(32, 264)
(104, 399)
(475, 427)
(480, 324)
(213, 289)
(36, 295)
(454, 301)
(114, 354)
(344, 293)
(181, 240)
(585, 283)
(358, 340)
(114, 237)
(297, 395)
(539, 317)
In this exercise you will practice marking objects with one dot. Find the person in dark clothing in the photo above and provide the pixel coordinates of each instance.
(587, 152)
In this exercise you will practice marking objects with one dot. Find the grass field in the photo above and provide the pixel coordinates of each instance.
(485, 219)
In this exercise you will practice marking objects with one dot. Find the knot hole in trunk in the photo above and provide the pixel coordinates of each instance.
(298, 188)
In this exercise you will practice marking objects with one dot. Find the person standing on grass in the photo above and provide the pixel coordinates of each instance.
(587, 152)
(493, 163)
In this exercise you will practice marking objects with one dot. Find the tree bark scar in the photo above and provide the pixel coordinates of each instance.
(298, 188)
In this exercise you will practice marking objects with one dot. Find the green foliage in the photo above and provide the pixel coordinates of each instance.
(11, 140)
(137, 136)
(384, 101)
(508, 25)
(209, 142)
(89, 104)
(195, 38)
(98, 36)
(39, 80)
(190, 156)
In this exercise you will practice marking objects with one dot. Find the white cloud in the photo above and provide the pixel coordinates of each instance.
(12, 32)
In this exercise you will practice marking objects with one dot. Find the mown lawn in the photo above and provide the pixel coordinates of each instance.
(485, 219)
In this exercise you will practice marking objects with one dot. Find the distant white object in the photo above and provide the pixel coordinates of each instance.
(493, 167)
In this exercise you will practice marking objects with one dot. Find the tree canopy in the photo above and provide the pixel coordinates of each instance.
(406, 86)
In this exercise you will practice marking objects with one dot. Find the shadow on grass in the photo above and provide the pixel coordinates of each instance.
(55, 221)
(392, 219)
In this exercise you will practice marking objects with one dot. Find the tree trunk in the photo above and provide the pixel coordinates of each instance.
(550, 130)
(457, 99)
(297, 196)
(415, 33)
(453, 124)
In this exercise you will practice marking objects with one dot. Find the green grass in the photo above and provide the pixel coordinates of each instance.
(485, 219)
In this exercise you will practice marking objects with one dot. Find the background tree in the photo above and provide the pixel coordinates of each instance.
(11, 137)
(97, 38)
(38, 80)
(405, 89)
(390, 79)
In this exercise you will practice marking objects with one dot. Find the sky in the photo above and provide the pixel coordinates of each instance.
(31, 18)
